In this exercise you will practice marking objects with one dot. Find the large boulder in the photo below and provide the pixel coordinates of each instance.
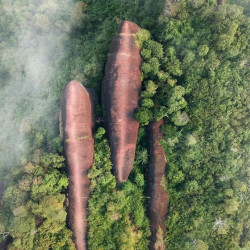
(158, 202)
(121, 88)
(77, 118)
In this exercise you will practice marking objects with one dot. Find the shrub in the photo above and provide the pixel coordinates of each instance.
(155, 48)
(144, 116)
(142, 36)
(146, 53)
(160, 112)
(203, 50)
(147, 103)
(180, 118)
(99, 133)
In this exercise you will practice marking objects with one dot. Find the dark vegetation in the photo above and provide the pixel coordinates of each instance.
(201, 84)
(117, 217)
(33, 205)
(195, 76)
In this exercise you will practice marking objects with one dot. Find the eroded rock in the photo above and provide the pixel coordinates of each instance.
(121, 88)
(77, 123)
(158, 202)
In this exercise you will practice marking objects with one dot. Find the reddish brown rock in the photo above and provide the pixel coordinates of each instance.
(77, 125)
(158, 202)
(121, 88)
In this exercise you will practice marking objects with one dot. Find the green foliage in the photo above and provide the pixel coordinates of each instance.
(99, 133)
(52, 159)
(151, 66)
(33, 207)
(150, 89)
(180, 118)
(154, 47)
(203, 50)
(146, 53)
(175, 100)
(194, 72)
(205, 47)
(147, 103)
(142, 36)
(144, 115)
(114, 221)
(160, 112)
(157, 71)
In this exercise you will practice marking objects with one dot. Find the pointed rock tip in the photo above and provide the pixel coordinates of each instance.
(74, 84)
(122, 178)
(127, 27)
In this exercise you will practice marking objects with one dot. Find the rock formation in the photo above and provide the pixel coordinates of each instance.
(77, 124)
(158, 203)
(121, 88)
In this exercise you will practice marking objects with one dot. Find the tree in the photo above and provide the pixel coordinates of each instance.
(78, 16)
(231, 206)
(146, 53)
(175, 100)
(151, 66)
(99, 133)
(160, 112)
(203, 50)
(180, 118)
(144, 116)
(155, 48)
(142, 36)
(147, 103)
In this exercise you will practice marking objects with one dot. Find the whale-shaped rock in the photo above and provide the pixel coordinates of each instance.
(77, 118)
(121, 88)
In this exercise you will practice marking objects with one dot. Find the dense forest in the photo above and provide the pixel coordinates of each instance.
(195, 75)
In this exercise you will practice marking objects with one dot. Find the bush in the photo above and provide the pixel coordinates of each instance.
(151, 66)
(151, 87)
(145, 53)
(160, 112)
(144, 116)
(203, 50)
(99, 133)
(142, 36)
(155, 48)
(147, 103)
(180, 118)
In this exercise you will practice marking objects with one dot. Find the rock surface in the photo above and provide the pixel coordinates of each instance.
(77, 124)
(121, 88)
(158, 202)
